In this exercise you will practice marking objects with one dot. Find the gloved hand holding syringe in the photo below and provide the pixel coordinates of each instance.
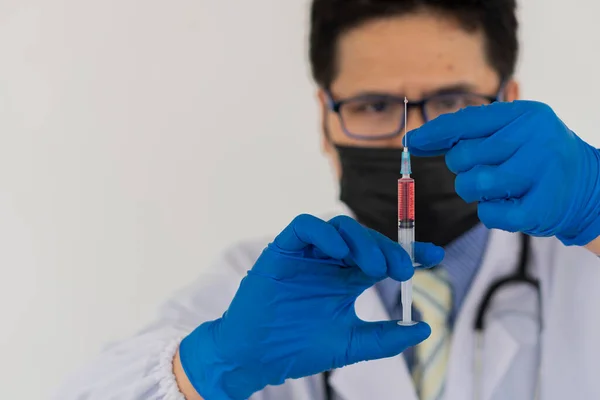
(406, 223)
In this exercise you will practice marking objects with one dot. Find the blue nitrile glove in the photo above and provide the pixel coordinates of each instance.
(527, 170)
(293, 315)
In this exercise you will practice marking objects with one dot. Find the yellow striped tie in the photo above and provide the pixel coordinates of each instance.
(432, 297)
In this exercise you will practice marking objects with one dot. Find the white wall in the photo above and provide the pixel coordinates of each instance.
(136, 135)
(560, 61)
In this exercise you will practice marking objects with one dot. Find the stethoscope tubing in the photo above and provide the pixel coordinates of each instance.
(522, 275)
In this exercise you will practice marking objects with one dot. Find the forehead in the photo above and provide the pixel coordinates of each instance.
(413, 55)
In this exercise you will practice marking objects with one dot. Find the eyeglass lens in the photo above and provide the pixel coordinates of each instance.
(384, 115)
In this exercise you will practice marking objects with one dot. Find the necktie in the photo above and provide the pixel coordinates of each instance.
(432, 297)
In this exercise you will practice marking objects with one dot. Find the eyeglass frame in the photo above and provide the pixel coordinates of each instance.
(335, 106)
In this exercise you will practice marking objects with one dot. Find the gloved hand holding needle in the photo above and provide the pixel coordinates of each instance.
(296, 310)
(512, 158)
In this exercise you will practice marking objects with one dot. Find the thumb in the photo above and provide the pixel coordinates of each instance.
(375, 340)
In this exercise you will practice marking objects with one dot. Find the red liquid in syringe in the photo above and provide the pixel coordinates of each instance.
(406, 203)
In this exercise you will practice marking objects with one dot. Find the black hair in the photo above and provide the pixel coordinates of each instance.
(330, 19)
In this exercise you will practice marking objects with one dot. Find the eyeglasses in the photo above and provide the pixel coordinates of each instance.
(377, 116)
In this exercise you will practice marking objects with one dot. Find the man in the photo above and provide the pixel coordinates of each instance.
(483, 156)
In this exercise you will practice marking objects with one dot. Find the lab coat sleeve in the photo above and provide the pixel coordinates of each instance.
(141, 367)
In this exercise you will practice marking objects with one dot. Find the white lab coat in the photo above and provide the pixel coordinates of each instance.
(140, 368)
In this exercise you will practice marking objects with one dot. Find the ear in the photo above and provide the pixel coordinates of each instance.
(326, 146)
(512, 91)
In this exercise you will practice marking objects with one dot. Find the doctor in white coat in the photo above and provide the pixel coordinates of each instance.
(312, 313)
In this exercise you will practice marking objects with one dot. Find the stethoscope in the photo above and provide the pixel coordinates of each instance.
(521, 276)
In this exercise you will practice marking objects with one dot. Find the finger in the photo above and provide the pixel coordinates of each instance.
(364, 250)
(493, 150)
(399, 265)
(507, 215)
(485, 183)
(306, 230)
(428, 254)
(375, 340)
(444, 132)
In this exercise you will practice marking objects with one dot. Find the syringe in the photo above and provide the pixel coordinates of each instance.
(406, 222)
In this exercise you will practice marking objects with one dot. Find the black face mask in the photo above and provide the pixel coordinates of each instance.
(369, 187)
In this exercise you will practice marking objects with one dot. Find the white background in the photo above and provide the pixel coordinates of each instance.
(139, 138)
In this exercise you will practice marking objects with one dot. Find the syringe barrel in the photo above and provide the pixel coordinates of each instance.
(406, 214)
(406, 238)
(406, 199)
